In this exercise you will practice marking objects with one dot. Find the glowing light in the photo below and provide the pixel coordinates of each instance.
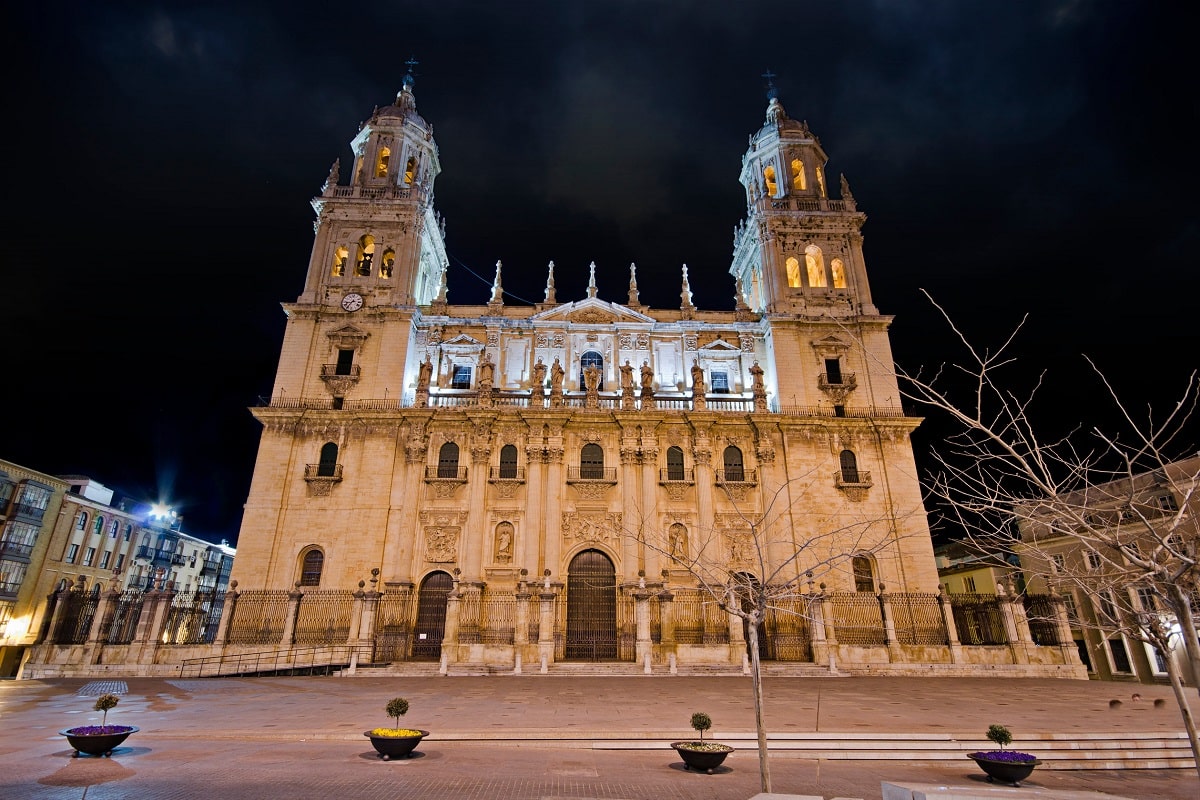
(161, 511)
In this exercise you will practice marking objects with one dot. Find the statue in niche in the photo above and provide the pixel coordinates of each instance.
(591, 378)
(626, 377)
(486, 371)
(757, 374)
(697, 378)
(647, 376)
(423, 375)
(539, 375)
(504, 533)
(556, 376)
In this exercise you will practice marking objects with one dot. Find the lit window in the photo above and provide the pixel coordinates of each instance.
(816, 266)
(591, 359)
(821, 181)
(381, 166)
(798, 181)
(120, 562)
(81, 521)
(72, 554)
(720, 383)
(793, 273)
(769, 178)
(410, 170)
(839, 273)
(105, 557)
(461, 379)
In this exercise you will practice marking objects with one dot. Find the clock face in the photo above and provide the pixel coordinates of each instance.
(352, 302)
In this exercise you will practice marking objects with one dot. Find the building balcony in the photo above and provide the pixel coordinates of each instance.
(677, 475)
(15, 551)
(852, 479)
(340, 379)
(846, 381)
(156, 557)
(210, 566)
(506, 473)
(591, 474)
(737, 476)
(446, 472)
(328, 473)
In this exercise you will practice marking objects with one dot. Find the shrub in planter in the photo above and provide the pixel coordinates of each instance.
(1007, 766)
(701, 755)
(102, 739)
(395, 742)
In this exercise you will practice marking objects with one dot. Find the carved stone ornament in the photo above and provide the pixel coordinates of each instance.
(441, 543)
(347, 338)
(506, 489)
(591, 526)
(738, 492)
(690, 341)
(443, 490)
(592, 491)
(676, 490)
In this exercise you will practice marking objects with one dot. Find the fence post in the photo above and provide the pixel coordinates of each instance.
(895, 652)
(1015, 645)
(288, 637)
(737, 630)
(231, 596)
(666, 623)
(820, 647)
(546, 623)
(521, 629)
(829, 626)
(61, 601)
(450, 632)
(641, 615)
(947, 608)
(1066, 642)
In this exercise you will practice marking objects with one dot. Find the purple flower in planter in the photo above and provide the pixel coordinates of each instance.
(1004, 755)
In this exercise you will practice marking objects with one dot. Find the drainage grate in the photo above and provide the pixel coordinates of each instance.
(97, 688)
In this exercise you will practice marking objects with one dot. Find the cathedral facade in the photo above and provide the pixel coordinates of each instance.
(508, 483)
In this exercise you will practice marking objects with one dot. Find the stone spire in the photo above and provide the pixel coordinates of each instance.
(741, 310)
(633, 290)
(439, 302)
(686, 296)
(550, 298)
(592, 280)
(497, 290)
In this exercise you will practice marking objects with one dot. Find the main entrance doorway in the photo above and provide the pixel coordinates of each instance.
(591, 607)
(431, 616)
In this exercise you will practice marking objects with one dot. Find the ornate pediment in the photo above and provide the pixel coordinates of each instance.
(348, 337)
(720, 346)
(591, 311)
(462, 340)
(830, 346)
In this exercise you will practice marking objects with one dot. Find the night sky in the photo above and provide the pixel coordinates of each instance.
(1012, 158)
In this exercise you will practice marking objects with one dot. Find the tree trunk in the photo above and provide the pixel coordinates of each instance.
(1185, 710)
(1187, 622)
(764, 769)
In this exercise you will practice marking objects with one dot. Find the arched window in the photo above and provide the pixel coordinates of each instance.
(849, 466)
(675, 463)
(311, 564)
(677, 541)
(816, 266)
(381, 166)
(769, 178)
(734, 468)
(113, 527)
(81, 521)
(591, 359)
(366, 254)
(388, 264)
(864, 574)
(98, 526)
(340, 257)
(591, 462)
(793, 273)
(327, 465)
(410, 170)
(821, 181)
(839, 273)
(798, 181)
(448, 460)
(508, 461)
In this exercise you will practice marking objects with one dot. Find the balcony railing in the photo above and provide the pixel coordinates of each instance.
(677, 475)
(210, 566)
(158, 557)
(857, 479)
(18, 550)
(847, 380)
(322, 472)
(445, 472)
(593, 474)
(506, 473)
(349, 371)
(737, 476)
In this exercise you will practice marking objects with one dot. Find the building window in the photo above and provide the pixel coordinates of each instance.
(89, 556)
(798, 181)
(72, 554)
(735, 469)
(591, 359)
(105, 557)
(1146, 599)
(1058, 563)
(340, 257)
(120, 562)
(345, 362)
(128, 532)
(1107, 608)
(81, 521)
(448, 460)
(833, 371)
(674, 463)
(720, 382)
(366, 254)
(1120, 656)
(816, 266)
(969, 584)
(839, 273)
(864, 574)
(1166, 502)
(381, 165)
(98, 526)
(461, 377)
(769, 179)
(1093, 559)
(388, 265)
(410, 170)
(793, 273)
(113, 528)
(508, 462)
(591, 462)
(327, 465)
(849, 467)
(310, 568)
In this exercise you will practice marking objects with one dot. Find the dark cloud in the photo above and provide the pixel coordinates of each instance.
(1011, 158)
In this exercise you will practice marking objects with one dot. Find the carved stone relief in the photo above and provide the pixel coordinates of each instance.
(442, 532)
(591, 526)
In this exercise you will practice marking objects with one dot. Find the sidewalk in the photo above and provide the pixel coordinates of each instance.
(302, 737)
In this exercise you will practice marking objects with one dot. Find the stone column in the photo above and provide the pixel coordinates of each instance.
(227, 610)
(1070, 653)
(1015, 644)
(956, 651)
(450, 632)
(666, 627)
(644, 646)
(552, 494)
(895, 652)
(546, 623)
(829, 623)
(288, 637)
(521, 629)
(820, 647)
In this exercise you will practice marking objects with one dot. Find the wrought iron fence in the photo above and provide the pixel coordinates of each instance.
(1043, 620)
(918, 619)
(469, 607)
(77, 617)
(626, 627)
(857, 618)
(324, 617)
(499, 618)
(193, 618)
(120, 625)
(393, 626)
(977, 618)
(258, 617)
(789, 637)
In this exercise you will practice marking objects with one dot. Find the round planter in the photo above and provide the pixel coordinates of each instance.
(98, 744)
(390, 747)
(706, 760)
(1004, 771)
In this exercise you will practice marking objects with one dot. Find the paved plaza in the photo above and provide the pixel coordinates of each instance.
(546, 737)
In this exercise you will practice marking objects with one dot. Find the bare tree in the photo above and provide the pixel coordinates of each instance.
(758, 561)
(1088, 505)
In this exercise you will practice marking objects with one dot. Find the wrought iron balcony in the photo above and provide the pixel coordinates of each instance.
(211, 566)
(506, 473)
(15, 550)
(590, 474)
(323, 472)
(445, 472)
(737, 476)
(852, 479)
(676, 475)
(847, 380)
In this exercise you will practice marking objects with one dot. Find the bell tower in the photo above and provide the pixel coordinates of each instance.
(379, 237)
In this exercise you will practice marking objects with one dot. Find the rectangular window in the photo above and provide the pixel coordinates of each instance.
(345, 360)
(461, 379)
(72, 554)
(1167, 502)
(1120, 657)
(1107, 608)
(120, 562)
(105, 557)
(128, 533)
(1146, 599)
(969, 584)
(89, 556)
(720, 383)
(1093, 559)
(833, 371)
(1058, 561)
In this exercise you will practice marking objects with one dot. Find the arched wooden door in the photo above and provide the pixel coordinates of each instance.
(591, 607)
(431, 616)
